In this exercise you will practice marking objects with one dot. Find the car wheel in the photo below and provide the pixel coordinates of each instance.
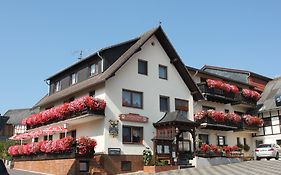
(268, 158)
(277, 156)
(258, 158)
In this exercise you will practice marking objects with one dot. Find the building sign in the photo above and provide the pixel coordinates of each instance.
(114, 151)
(133, 118)
(278, 100)
(113, 127)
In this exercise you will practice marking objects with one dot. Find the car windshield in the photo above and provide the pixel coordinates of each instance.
(264, 146)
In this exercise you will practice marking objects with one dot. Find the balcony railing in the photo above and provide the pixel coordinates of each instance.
(217, 95)
(208, 123)
(244, 101)
(218, 120)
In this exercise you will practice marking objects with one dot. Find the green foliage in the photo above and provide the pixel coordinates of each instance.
(4, 146)
(246, 147)
(147, 156)
(162, 163)
(240, 146)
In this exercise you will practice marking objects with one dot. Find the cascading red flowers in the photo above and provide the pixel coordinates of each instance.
(218, 116)
(64, 110)
(252, 120)
(205, 148)
(86, 145)
(251, 94)
(56, 146)
(223, 86)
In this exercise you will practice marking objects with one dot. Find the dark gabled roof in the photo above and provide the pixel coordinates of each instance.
(16, 115)
(101, 78)
(175, 117)
(237, 71)
(267, 99)
(217, 76)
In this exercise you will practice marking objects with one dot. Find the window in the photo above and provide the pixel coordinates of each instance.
(221, 140)
(206, 108)
(132, 99)
(163, 149)
(72, 134)
(245, 141)
(238, 140)
(142, 67)
(50, 137)
(226, 110)
(92, 93)
(84, 166)
(62, 135)
(163, 72)
(126, 165)
(93, 69)
(164, 104)
(278, 142)
(73, 78)
(204, 138)
(181, 106)
(132, 134)
(57, 86)
(36, 139)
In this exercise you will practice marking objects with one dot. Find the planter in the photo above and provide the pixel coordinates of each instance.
(156, 169)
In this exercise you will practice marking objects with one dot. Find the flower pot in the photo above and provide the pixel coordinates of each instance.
(156, 169)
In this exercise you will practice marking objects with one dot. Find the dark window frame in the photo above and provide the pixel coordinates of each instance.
(131, 99)
(200, 138)
(205, 108)
(131, 134)
(168, 103)
(140, 61)
(92, 93)
(181, 109)
(166, 72)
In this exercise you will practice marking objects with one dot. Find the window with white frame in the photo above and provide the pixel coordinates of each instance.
(93, 69)
(73, 78)
(58, 86)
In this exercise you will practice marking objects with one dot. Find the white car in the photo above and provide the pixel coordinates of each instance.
(268, 151)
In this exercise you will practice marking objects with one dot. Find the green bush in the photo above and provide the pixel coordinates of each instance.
(246, 147)
(147, 156)
(4, 146)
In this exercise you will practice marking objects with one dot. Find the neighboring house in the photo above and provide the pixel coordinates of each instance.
(270, 111)
(257, 80)
(6, 130)
(15, 118)
(143, 82)
(218, 99)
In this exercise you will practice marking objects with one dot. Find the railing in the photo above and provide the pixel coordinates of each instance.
(70, 116)
(219, 94)
(240, 99)
(244, 126)
(223, 125)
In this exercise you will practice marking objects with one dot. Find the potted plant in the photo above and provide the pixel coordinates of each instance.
(162, 165)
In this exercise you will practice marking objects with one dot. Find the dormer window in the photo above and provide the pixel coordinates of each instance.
(57, 86)
(93, 70)
(73, 78)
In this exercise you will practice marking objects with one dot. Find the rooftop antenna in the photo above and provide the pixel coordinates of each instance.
(81, 54)
(160, 22)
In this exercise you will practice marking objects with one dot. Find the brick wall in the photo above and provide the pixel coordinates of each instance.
(100, 164)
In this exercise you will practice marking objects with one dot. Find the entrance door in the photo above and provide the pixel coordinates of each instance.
(184, 149)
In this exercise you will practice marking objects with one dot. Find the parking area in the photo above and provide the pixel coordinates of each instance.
(263, 167)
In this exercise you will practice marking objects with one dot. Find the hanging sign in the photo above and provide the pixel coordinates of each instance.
(133, 118)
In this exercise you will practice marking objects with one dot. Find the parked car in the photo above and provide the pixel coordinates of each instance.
(268, 151)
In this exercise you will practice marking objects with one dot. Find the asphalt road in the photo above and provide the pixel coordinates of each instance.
(263, 167)
(17, 172)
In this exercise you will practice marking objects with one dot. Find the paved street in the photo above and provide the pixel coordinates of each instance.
(263, 167)
(17, 172)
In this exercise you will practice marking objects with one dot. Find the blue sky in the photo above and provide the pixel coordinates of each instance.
(39, 38)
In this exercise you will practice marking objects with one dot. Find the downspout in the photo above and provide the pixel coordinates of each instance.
(98, 53)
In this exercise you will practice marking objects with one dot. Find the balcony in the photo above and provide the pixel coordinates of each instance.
(79, 108)
(216, 95)
(217, 120)
(242, 101)
(208, 123)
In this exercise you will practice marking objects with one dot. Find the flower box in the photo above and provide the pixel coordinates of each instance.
(156, 169)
